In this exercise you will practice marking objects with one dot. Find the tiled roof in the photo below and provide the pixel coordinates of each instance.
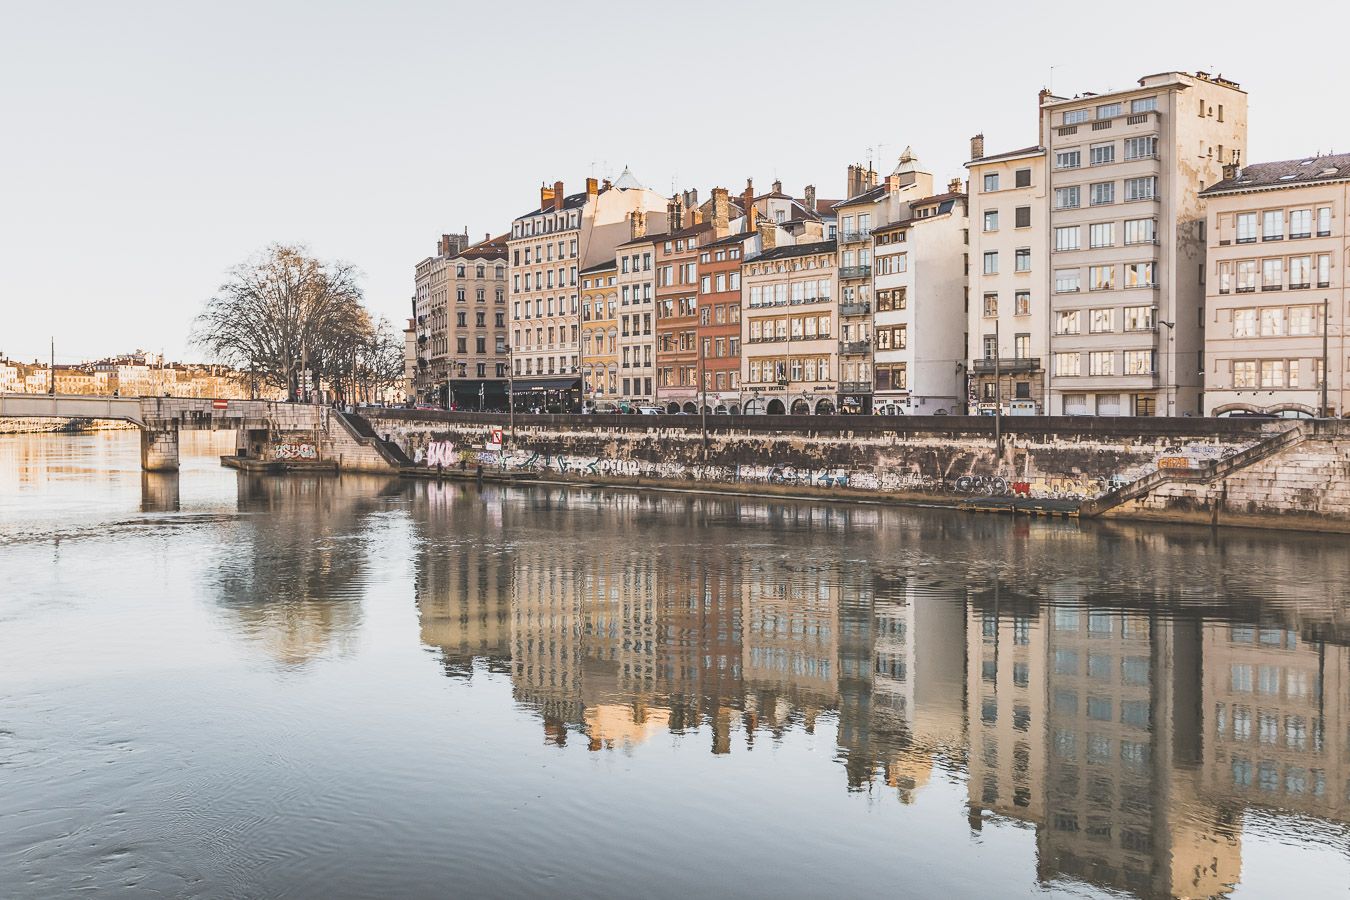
(870, 195)
(1011, 154)
(731, 239)
(1285, 173)
(795, 250)
(493, 248)
(605, 265)
(571, 201)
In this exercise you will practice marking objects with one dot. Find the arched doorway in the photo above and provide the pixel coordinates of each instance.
(775, 407)
(735, 409)
(800, 407)
(690, 408)
(825, 407)
(754, 406)
(719, 410)
(673, 408)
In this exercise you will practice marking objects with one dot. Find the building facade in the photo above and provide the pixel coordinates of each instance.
(789, 328)
(719, 328)
(1126, 239)
(678, 363)
(1009, 318)
(1276, 302)
(920, 334)
(600, 336)
(635, 263)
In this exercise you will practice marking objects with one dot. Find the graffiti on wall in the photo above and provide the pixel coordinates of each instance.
(436, 453)
(294, 450)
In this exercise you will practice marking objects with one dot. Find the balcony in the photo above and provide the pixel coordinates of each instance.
(854, 237)
(855, 387)
(855, 271)
(855, 309)
(855, 347)
(1006, 366)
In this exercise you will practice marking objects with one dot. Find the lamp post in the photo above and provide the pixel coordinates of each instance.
(511, 390)
(1326, 361)
(703, 401)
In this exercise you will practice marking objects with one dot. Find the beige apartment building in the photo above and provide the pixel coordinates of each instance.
(789, 323)
(1276, 303)
(548, 247)
(635, 266)
(1127, 248)
(460, 315)
(1008, 327)
(600, 335)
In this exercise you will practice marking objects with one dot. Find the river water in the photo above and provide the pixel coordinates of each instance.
(221, 685)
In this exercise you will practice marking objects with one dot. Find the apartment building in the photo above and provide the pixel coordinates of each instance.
(719, 328)
(920, 320)
(789, 324)
(1275, 309)
(1008, 328)
(869, 205)
(678, 363)
(1126, 170)
(548, 247)
(600, 336)
(636, 267)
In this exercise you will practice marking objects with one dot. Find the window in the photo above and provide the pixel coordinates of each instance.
(1272, 274)
(1300, 271)
(1324, 270)
(991, 182)
(1022, 217)
(1022, 303)
(1022, 259)
(1145, 188)
(991, 220)
(1066, 364)
(1244, 322)
(1140, 231)
(1272, 321)
(1244, 373)
(1068, 159)
(1101, 154)
(1103, 192)
(1101, 362)
(1101, 321)
(1139, 275)
(1272, 225)
(1066, 237)
(1067, 197)
(1101, 278)
(1272, 376)
(991, 262)
(1141, 147)
(1300, 223)
(1102, 234)
(1246, 276)
(990, 305)
(1138, 318)
(1139, 362)
(1246, 228)
(1076, 116)
(1067, 321)
(1066, 281)
(1323, 221)
(1143, 105)
(1022, 178)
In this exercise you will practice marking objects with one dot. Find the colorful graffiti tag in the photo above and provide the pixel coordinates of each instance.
(294, 450)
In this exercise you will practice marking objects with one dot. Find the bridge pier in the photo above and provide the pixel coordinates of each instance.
(159, 446)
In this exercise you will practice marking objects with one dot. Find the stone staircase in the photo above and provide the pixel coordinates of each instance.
(357, 447)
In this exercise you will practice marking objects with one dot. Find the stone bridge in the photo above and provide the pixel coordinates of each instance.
(160, 418)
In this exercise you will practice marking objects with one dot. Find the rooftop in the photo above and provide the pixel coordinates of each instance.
(1285, 173)
(795, 250)
(1037, 150)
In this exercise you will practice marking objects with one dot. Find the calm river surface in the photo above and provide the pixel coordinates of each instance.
(233, 686)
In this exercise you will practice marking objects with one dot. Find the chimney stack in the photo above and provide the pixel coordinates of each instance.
(777, 186)
(748, 205)
(592, 188)
(810, 192)
(768, 236)
(892, 183)
(721, 212)
(637, 224)
(954, 186)
(977, 147)
(606, 185)
(557, 196)
(869, 177)
(545, 196)
(674, 214)
(851, 190)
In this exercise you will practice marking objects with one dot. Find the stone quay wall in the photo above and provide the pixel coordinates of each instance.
(941, 459)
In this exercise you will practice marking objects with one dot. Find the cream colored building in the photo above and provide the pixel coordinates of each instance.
(634, 261)
(548, 247)
(1276, 287)
(1127, 250)
(600, 335)
(1008, 326)
(789, 328)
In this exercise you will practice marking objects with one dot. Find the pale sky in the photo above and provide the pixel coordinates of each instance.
(145, 147)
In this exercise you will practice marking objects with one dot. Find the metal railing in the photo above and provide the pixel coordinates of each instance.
(1009, 365)
(853, 237)
(855, 387)
(855, 309)
(855, 346)
(855, 271)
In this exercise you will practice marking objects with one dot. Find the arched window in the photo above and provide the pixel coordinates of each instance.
(459, 271)
(480, 271)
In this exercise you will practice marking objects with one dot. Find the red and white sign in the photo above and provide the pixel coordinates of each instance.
(220, 404)
(494, 441)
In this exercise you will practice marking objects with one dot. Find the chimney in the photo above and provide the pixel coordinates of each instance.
(721, 212)
(674, 214)
(557, 195)
(637, 224)
(869, 177)
(768, 236)
(977, 147)
(592, 188)
(691, 198)
(545, 196)
(777, 186)
(748, 205)
(810, 192)
(606, 185)
(892, 183)
(852, 189)
(954, 186)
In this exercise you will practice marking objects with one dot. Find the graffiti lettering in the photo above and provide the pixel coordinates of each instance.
(294, 450)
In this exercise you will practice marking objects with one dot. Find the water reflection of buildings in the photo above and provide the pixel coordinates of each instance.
(1132, 732)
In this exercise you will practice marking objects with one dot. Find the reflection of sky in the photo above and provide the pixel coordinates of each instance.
(149, 737)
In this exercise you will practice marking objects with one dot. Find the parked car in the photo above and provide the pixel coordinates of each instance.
(650, 410)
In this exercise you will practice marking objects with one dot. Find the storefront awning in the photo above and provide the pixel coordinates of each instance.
(548, 384)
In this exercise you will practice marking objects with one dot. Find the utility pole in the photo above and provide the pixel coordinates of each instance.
(51, 370)
(511, 390)
(703, 387)
(1326, 360)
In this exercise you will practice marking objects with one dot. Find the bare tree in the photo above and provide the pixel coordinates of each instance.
(287, 318)
(381, 365)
